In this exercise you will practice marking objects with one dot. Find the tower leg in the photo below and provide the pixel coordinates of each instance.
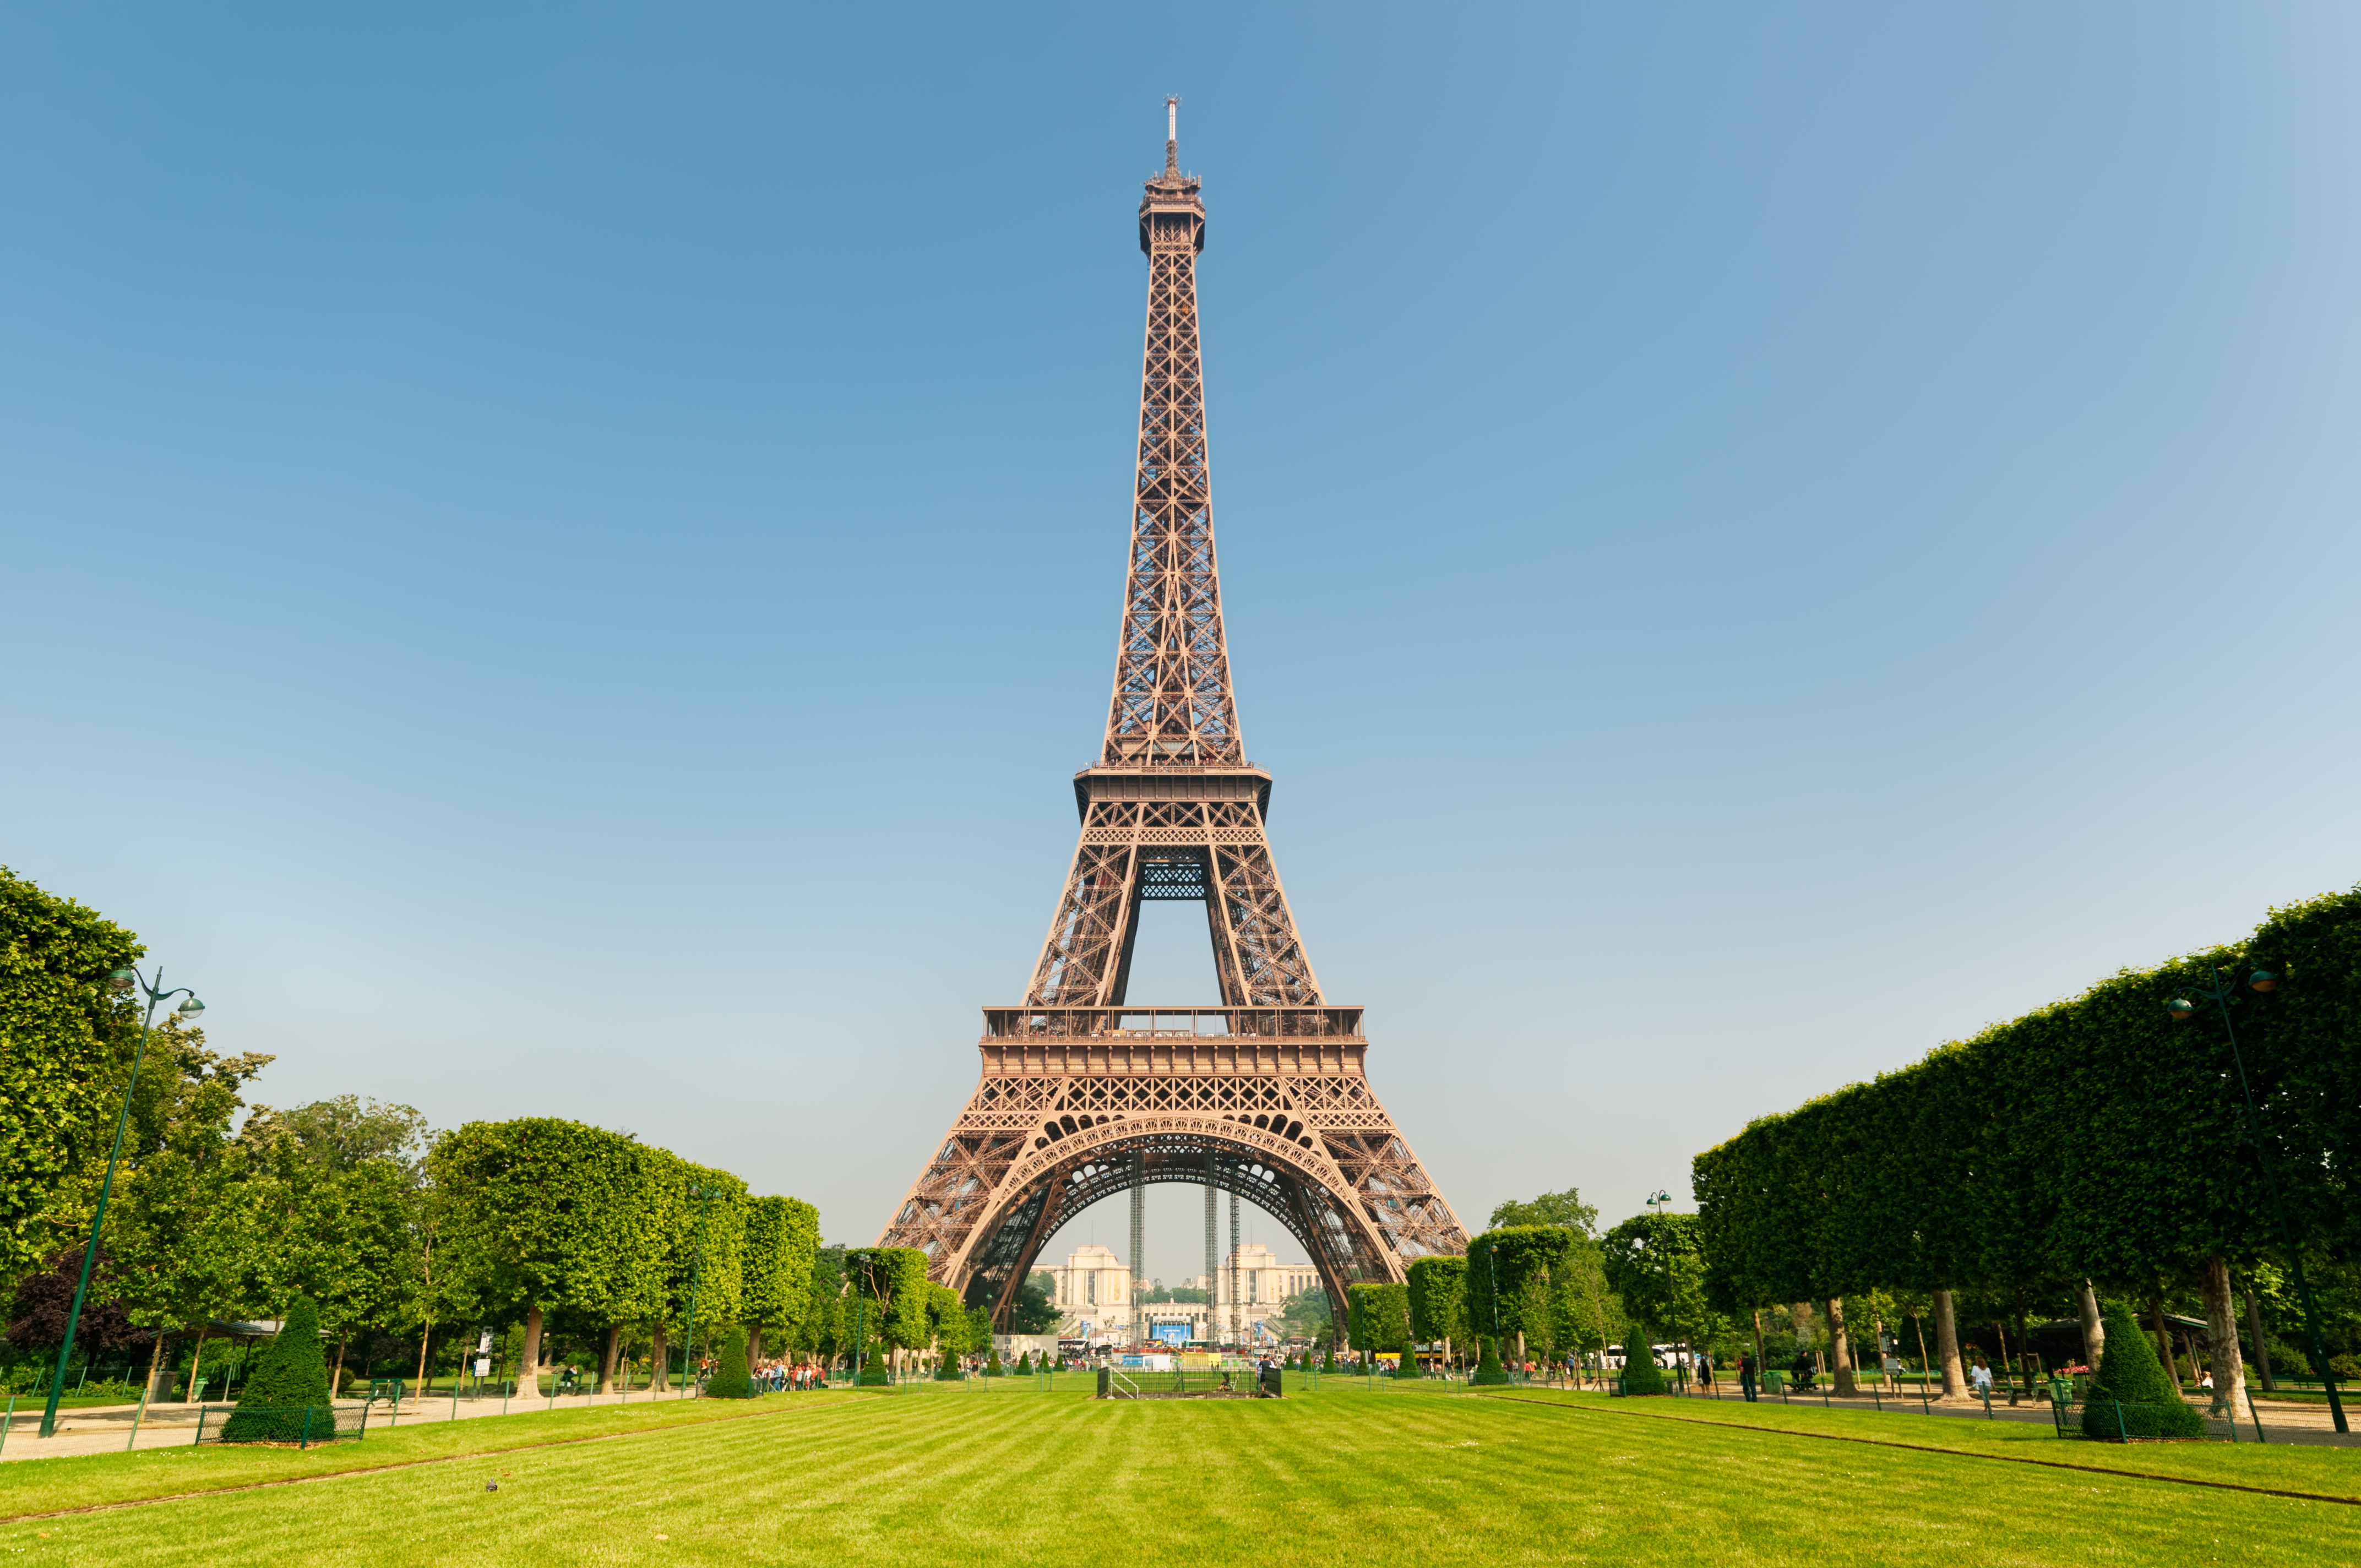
(1139, 1239)
(1237, 1313)
(1213, 1263)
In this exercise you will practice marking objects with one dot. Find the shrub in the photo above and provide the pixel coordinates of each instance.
(290, 1376)
(730, 1379)
(1487, 1367)
(876, 1371)
(992, 1368)
(1641, 1373)
(2131, 1396)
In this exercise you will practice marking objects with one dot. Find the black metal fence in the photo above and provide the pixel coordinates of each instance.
(302, 1425)
(2112, 1421)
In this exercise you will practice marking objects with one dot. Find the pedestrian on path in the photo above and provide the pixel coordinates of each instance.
(1746, 1371)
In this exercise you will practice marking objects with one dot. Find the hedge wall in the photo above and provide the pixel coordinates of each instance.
(2092, 1139)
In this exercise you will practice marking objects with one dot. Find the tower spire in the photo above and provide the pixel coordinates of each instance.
(1171, 138)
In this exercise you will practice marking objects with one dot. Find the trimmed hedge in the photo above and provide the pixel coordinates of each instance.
(290, 1376)
(2095, 1138)
(2131, 1396)
(730, 1379)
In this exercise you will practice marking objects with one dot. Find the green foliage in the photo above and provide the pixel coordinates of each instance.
(1488, 1369)
(1641, 1373)
(1565, 1208)
(782, 1236)
(1378, 1316)
(1307, 1311)
(289, 1374)
(730, 1379)
(1035, 1311)
(1961, 1173)
(1328, 1360)
(992, 1368)
(554, 1215)
(65, 1055)
(2131, 1396)
(1164, 1293)
(1656, 1265)
(1551, 1287)
(894, 1279)
(1438, 1298)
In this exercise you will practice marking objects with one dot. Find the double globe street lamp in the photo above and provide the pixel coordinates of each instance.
(120, 983)
(2182, 1009)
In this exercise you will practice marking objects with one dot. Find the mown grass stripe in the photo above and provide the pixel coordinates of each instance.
(1924, 1448)
(670, 1429)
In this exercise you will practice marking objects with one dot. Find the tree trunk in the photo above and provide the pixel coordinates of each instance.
(197, 1362)
(1946, 1345)
(2164, 1341)
(606, 1354)
(2221, 1322)
(529, 1363)
(1841, 1349)
(659, 1363)
(754, 1348)
(1918, 1326)
(2029, 1360)
(2262, 1346)
(2002, 1329)
(2094, 1328)
(155, 1361)
(426, 1332)
(337, 1378)
(1758, 1344)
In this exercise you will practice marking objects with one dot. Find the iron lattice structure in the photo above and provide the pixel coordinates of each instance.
(1266, 1097)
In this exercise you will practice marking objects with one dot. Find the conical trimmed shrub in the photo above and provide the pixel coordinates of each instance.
(992, 1368)
(1328, 1361)
(1409, 1368)
(947, 1368)
(1641, 1373)
(1488, 1369)
(2131, 1396)
(877, 1369)
(1025, 1363)
(730, 1379)
(290, 1376)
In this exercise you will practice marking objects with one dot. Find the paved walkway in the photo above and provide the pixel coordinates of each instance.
(2282, 1421)
(108, 1428)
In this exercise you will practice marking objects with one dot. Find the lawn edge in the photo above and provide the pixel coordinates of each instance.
(1928, 1448)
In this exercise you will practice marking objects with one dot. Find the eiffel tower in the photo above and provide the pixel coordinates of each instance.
(1086, 1094)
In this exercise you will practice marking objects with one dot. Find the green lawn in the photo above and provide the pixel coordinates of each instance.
(941, 1475)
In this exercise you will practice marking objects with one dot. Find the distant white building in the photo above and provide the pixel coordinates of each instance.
(1095, 1284)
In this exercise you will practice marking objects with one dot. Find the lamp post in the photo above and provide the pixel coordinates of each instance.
(1656, 1202)
(704, 1196)
(120, 983)
(2182, 1009)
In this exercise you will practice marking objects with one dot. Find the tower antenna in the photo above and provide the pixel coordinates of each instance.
(1171, 136)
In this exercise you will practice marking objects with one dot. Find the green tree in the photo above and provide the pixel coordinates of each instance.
(186, 1232)
(782, 1236)
(1565, 1208)
(290, 1377)
(952, 1329)
(65, 1052)
(1438, 1301)
(548, 1214)
(1656, 1263)
(1035, 1311)
(1380, 1317)
(1511, 1282)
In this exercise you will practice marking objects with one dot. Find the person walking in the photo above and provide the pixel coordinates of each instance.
(1746, 1371)
(1980, 1378)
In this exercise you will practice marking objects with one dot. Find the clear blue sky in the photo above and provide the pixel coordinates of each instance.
(558, 560)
